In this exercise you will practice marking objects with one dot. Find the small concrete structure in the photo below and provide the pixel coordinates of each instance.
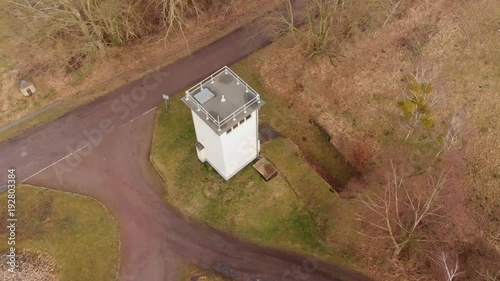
(265, 169)
(26, 87)
(225, 113)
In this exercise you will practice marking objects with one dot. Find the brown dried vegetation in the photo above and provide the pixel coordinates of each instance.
(355, 102)
(62, 71)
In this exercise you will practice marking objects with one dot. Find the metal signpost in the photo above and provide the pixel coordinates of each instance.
(165, 97)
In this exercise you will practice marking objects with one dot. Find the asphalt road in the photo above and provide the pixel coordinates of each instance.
(102, 150)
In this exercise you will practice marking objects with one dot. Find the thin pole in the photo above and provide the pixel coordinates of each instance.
(165, 97)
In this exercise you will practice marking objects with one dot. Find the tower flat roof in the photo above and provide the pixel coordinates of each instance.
(222, 99)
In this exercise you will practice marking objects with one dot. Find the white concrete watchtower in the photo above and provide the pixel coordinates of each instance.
(225, 113)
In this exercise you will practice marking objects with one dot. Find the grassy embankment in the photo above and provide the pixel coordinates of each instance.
(293, 121)
(292, 211)
(78, 233)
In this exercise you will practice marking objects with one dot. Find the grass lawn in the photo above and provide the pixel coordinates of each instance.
(291, 211)
(77, 232)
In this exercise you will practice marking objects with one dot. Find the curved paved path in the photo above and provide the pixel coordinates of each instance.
(102, 150)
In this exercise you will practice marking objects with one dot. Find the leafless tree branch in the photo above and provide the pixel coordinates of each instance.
(488, 276)
(401, 210)
(451, 269)
(319, 19)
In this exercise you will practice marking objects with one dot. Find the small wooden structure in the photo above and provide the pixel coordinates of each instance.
(265, 169)
(26, 87)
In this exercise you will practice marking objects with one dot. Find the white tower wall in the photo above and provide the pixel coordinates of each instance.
(229, 152)
(240, 145)
(212, 143)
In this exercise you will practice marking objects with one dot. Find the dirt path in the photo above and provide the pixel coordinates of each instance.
(102, 150)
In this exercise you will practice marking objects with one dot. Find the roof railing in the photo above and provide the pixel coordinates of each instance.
(210, 79)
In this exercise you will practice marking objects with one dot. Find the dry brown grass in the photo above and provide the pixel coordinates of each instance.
(116, 67)
(355, 102)
(33, 266)
(472, 77)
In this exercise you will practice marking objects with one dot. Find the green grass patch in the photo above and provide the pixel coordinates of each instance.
(291, 211)
(266, 212)
(77, 232)
(44, 117)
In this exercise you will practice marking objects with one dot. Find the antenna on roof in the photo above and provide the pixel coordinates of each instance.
(222, 99)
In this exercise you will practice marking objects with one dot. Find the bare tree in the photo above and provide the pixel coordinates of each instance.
(488, 276)
(85, 27)
(451, 138)
(401, 210)
(450, 268)
(319, 18)
(172, 13)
